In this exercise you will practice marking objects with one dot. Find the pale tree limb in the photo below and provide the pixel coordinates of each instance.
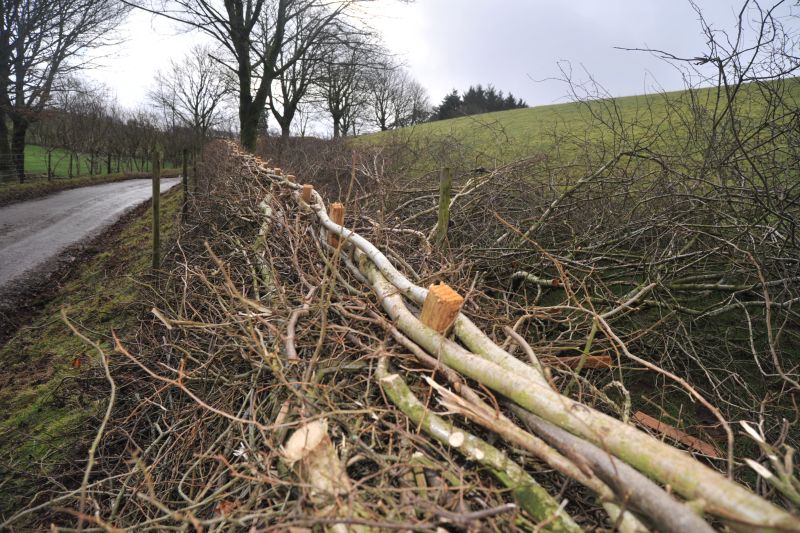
(666, 513)
(669, 465)
(528, 493)
(491, 419)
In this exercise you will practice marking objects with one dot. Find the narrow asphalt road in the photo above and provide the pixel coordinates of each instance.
(34, 233)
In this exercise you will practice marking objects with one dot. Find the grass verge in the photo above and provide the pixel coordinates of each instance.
(51, 384)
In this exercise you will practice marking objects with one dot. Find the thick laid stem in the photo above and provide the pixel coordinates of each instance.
(669, 465)
(665, 512)
(529, 494)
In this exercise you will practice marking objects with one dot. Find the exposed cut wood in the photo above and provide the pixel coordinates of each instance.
(441, 307)
(308, 191)
(311, 453)
(337, 216)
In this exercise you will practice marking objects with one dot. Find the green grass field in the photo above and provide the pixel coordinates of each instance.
(36, 184)
(562, 132)
(36, 163)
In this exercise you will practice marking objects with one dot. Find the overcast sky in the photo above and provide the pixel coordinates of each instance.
(451, 44)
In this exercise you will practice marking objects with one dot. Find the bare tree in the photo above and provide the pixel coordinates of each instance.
(40, 41)
(395, 98)
(191, 92)
(381, 89)
(343, 84)
(294, 82)
(253, 33)
(419, 102)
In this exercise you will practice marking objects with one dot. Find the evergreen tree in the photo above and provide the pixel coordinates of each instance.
(451, 107)
(476, 100)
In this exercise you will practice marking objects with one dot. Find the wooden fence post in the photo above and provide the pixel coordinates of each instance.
(195, 179)
(185, 174)
(441, 307)
(156, 211)
(445, 182)
(307, 190)
(337, 216)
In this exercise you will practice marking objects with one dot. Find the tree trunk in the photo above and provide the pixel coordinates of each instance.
(19, 129)
(248, 119)
(336, 128)
(108, 163)
(49, 165)
(285, 120)
(6, 169)
(69, 174)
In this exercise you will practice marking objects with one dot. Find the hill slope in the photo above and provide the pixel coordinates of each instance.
(564, 131)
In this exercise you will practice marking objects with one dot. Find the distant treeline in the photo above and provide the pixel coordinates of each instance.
(85, 131)
(475, 100)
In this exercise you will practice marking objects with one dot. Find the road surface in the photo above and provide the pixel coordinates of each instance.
(34, 233)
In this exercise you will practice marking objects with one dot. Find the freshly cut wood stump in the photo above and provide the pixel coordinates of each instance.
(337, 215)
(277, 171)
(291, 178)
(307, 190)
(441, 307)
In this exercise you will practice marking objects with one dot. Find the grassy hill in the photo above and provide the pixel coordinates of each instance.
(667, 122)
(36, 161)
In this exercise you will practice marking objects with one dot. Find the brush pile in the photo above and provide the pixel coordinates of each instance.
(285, 380)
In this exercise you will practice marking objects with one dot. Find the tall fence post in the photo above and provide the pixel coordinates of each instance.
(195, 178)
(445, 183)
(156, 210)
(185, 174)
